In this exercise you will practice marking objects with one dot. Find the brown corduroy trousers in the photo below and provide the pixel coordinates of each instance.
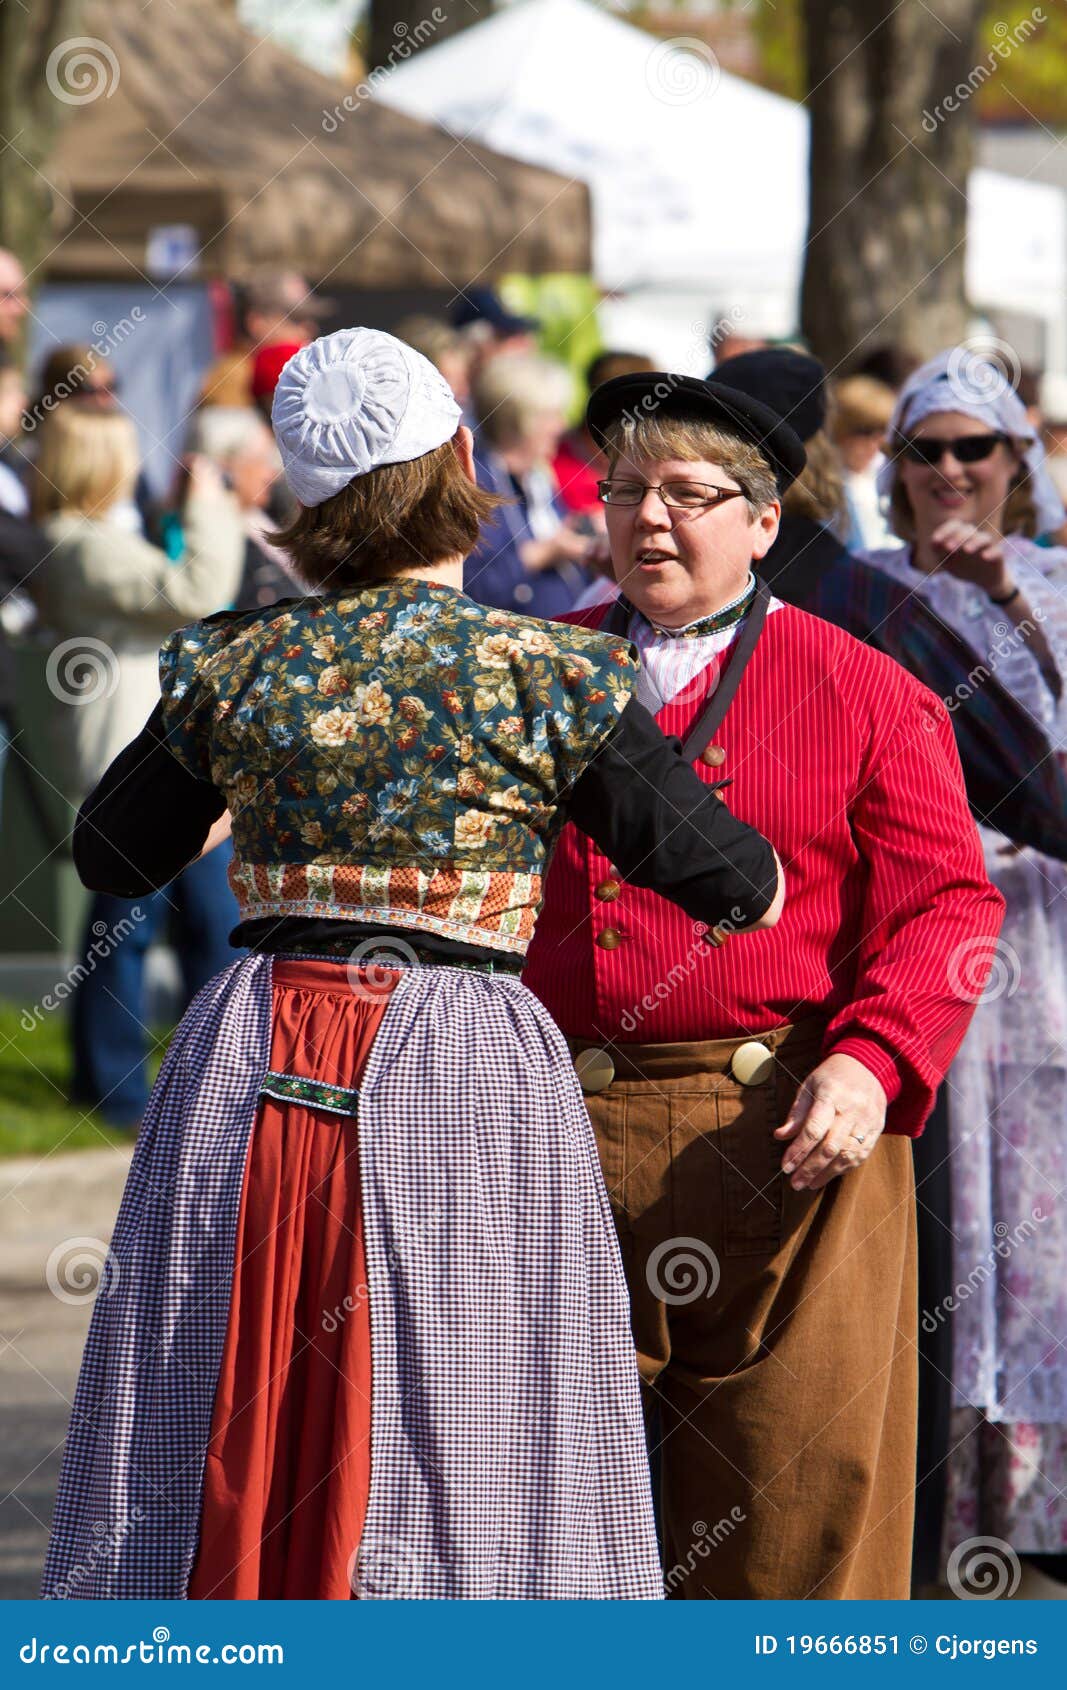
(775, 1329)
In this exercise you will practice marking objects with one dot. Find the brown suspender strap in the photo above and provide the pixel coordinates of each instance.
(710, 719)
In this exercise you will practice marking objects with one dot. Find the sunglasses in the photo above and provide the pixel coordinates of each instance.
(966, 449)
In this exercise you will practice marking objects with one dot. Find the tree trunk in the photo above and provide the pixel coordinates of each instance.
(399, 28)
(892, 143)
(31, 111)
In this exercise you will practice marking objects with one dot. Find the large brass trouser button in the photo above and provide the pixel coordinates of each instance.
(595, 1069)
(752, 1063)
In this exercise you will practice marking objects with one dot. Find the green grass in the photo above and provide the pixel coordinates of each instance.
(34, 1076)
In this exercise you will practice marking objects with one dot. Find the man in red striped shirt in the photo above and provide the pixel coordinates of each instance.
(753, 1096)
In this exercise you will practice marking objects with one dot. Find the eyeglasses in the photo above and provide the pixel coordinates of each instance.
(680, 495)
(967, 449)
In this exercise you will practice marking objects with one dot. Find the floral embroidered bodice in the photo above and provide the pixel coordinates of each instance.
(394, 753)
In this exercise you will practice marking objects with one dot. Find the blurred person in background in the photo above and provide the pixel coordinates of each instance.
(967, 495)
(445, 349)
(271, 306)
(13, 495)
(579, 464)
(487, 330)
(108, 598)
(1054, 429)
(860, 415)
(14, 298)
(78, 375)
(530, 556)
(887, 362)
(241, 446)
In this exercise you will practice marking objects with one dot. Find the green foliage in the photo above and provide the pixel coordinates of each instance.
(35, 1116)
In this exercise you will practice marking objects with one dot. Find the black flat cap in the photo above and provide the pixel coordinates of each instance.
(658, 392)
(789, 382)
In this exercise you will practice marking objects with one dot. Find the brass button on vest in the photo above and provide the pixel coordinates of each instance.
(595, 1070)
(752, 1063)
(713, 755)
(610, 939)
(608, 890)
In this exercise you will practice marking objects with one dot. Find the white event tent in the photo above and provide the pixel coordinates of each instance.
(698, 178)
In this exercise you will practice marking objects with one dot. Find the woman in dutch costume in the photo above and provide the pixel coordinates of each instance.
(365, 1329)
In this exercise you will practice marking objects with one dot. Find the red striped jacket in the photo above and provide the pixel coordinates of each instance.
(848, 765)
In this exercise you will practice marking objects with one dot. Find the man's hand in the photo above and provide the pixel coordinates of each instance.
(837, 1118)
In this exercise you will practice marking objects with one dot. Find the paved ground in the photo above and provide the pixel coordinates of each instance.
(56, 1215)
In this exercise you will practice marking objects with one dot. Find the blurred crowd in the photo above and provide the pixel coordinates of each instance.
(95, 571)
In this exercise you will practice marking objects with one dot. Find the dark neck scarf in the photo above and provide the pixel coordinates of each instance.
(724, 618)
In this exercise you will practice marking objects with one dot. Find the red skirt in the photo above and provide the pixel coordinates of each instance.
(287, 1474)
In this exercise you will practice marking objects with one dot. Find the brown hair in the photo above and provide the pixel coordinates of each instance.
(657, 436)
(1018, 517)
(861, 405)
(818, 493)
(400, 516)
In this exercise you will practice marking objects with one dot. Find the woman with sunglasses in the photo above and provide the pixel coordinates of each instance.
(968, 495)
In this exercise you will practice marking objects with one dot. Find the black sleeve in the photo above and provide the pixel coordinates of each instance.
(145, 820)
(666, 830)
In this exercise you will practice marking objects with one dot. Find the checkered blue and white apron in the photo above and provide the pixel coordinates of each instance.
(507, 1452)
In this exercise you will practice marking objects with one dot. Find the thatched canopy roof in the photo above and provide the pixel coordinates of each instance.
(212, 126)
